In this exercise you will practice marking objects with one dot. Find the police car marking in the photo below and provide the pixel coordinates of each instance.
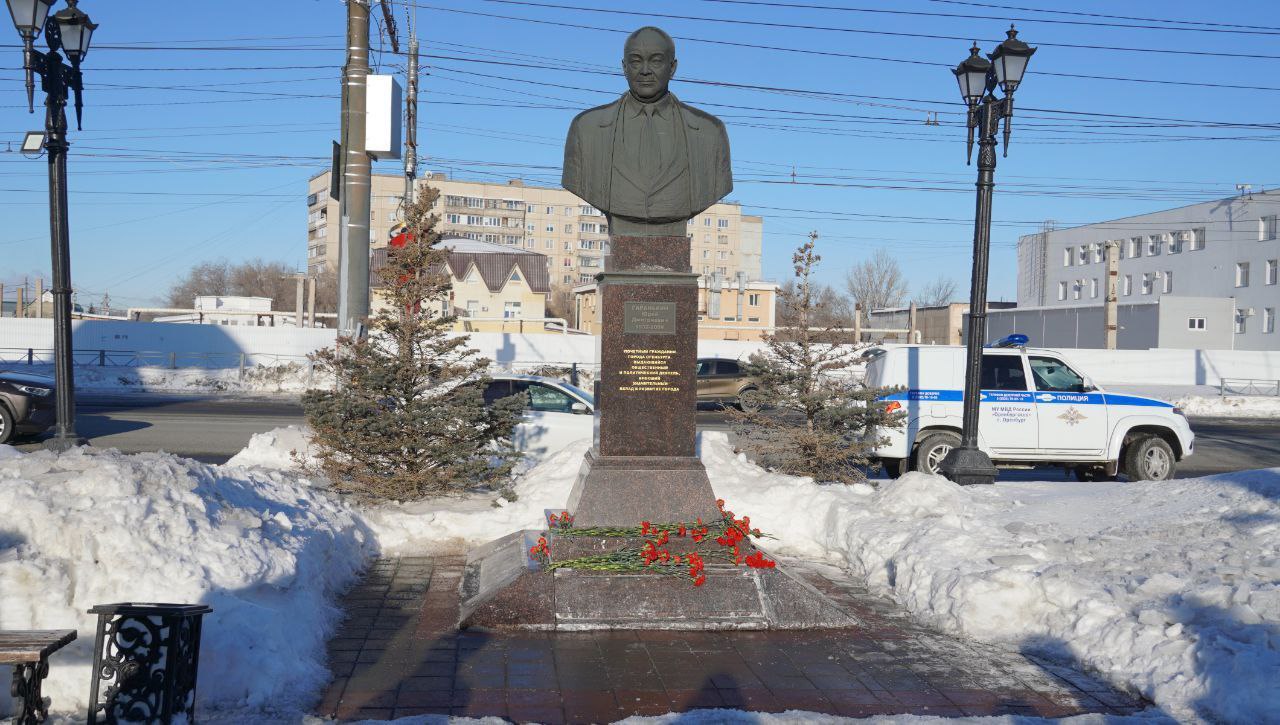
(1012, 396)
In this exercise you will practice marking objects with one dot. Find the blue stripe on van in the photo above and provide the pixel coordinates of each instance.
(1113, 399)
(1017, 396)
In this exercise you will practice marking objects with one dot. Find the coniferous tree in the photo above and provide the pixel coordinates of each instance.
(407, 416)
(816, 418)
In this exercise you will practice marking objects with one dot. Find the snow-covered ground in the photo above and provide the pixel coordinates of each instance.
(266, 550)
(1169, 589)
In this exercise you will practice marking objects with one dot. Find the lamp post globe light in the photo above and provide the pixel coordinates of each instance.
(70, 31)
(978, 78)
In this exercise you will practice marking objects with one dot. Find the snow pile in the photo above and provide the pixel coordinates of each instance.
(1171, 589)
(287, 378)
(264, 549)
(279, 449)
(452, 524)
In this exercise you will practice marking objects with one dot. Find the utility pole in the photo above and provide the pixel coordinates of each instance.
(1109, 315)
(411, 120)
(301, 278)
(311, 301)
(353, 245)
(39, 297)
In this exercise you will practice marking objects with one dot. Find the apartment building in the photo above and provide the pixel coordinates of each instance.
(573, 236)
(1225, 249)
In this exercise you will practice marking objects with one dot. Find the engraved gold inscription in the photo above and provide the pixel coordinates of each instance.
(649, 371)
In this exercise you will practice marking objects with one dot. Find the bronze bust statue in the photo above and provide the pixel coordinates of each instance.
(648, 161)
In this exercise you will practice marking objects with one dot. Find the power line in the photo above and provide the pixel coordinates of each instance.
(921, 13)
(1101, 15)
(863, 31)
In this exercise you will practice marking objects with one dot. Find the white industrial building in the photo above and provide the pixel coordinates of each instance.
(1223, 249)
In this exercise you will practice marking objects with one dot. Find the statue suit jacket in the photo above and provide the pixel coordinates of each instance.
(588, 157)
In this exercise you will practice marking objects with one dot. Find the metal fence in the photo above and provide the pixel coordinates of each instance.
(1248, 386)
(157, 359)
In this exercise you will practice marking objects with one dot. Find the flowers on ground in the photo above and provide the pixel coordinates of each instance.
(654, 552)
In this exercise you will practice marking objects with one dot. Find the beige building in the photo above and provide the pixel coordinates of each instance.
(494, 288)
(573, 236)
(731, 313)
(937, 324)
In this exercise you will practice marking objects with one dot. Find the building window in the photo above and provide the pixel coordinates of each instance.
(1267, 227)
(722, 239)
(724, 254)
(1067, 257)
(528, 209)
(1167, 287)
(1153, 246)
(706, 254)
(1093, 288)
(724, 223)
(1197, 239)
(551, 228)
(1099, 252)
(706, 221)
(1175, 242)
(1242, 274)
(1273, 268)
(1195, 323)
(568, 228)
(1084, 254)
(1135, 247)
(549, 244)
(510, 309)
(567, 279)
(1062, 290)
(1075, 290)
(753, 300)
(1241, 320)
(531, 227)
(1127, 287)
(1269, 319)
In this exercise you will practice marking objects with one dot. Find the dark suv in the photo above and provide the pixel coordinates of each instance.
(726, 383)
(26, 404)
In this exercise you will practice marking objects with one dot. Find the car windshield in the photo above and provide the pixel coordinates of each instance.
(1054, 375)
(591, 399)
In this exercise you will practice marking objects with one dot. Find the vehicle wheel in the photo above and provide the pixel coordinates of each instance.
(1149, 458)
(750, 400)
(6, 425)
(932, 449)
(1091, 473)
(894, 467)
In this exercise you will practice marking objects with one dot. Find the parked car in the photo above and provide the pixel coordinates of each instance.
(26, 404)
(556, 413)
(724, 382)
(1036, 408)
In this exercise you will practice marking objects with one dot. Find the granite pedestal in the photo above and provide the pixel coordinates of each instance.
(643, 466)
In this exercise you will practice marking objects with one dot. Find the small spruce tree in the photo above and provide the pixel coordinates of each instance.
(815, 419)
(407, 416)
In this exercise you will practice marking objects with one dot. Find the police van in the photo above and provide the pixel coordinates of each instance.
(1036, 409)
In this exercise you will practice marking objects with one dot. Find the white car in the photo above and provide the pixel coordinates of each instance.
(556, 413)
(1036, 409)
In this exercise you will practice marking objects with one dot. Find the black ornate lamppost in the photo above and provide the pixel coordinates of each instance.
(978, 80)
(69, 31)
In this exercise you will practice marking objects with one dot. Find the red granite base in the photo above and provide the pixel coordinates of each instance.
(504, 589)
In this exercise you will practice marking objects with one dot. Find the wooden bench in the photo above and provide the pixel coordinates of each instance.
(28, 651)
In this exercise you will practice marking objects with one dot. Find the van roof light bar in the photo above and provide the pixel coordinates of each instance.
(1014, 340)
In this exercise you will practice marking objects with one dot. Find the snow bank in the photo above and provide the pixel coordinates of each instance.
(264, 549)
(1171, 589)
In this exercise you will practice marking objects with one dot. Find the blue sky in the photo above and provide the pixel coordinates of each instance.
(204, 120)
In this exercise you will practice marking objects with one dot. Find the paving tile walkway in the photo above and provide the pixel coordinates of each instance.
(398, 654)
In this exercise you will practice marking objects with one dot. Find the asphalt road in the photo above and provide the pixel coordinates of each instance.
(214, 429)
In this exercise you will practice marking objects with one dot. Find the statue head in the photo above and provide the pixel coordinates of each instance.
(649, 62)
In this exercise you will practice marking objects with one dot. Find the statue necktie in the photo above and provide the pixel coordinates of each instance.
(650, 155)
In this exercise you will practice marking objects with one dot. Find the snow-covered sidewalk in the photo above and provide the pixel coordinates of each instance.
(1169, 589)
